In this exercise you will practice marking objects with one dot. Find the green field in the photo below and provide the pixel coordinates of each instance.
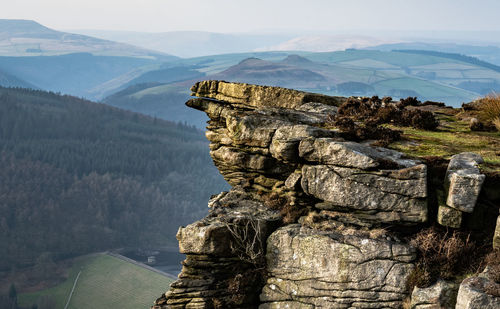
(105, 282)
(427, 89)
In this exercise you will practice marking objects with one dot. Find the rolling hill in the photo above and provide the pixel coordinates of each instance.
(29, 38)
(434, 76)
(34, 56)
(74, 74)
(257, 71)
(189, 44)
(8, 80)
(325, 43)
(489, 53)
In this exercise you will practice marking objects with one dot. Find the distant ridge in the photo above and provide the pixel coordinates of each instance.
(23, 28)
(255, 70)
(9, 80)
(20, 37)
(296, 60)
(459, 57)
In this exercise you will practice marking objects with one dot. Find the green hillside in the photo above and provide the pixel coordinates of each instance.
(432, 76)
(20, 37)
(80, 177)
(104, 282)
(75, 74)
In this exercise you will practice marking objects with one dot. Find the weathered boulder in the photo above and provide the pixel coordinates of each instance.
(394, 195)
(464, 181)
(441, 295)
(472, 295)
(310, 268)
(448, 216)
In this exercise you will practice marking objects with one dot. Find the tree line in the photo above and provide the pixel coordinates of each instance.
(78, 177)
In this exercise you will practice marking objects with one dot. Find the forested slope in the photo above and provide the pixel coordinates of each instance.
(78, 176)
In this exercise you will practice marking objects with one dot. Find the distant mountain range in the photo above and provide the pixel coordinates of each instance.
(34, 56)
(189, 44)
(489, 53)
(428, 75)
(326, 43)
(29, 38)
(157, 84)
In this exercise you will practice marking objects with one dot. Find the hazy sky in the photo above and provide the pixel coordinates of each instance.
(252, 15)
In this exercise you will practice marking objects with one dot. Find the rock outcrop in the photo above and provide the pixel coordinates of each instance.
(221, 250)
(314, 220)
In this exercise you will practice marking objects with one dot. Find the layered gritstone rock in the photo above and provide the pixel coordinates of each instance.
(312, 219)
(384, 196)
(259, 96)
(222, 251)
(310, 269)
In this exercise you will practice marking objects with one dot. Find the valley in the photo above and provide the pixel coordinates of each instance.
(99, 152)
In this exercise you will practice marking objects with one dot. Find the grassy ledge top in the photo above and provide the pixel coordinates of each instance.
(464, 129)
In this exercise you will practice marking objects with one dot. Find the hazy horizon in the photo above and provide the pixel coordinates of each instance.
(226, 16)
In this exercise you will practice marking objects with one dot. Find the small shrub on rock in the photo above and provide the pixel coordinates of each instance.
(409, 101)
(419, 119)
(373, 112)
(290, 213)
(438, 104)
(441, 255)
(344, 123)
(359, 109)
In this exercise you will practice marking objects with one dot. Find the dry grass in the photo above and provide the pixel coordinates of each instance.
(496, 123)
(441, 255)
(493, 262)
(247, 240)
(406, 303)
(489, 107)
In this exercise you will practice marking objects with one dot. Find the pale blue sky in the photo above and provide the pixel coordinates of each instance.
(255, 15)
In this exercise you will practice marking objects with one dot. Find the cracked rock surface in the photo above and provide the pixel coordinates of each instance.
(332, 270)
